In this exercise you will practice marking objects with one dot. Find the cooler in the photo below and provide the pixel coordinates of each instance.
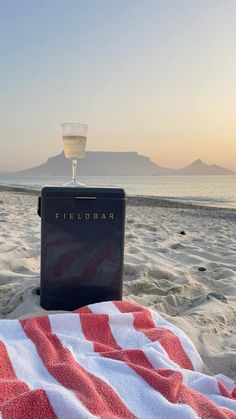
(82, 246)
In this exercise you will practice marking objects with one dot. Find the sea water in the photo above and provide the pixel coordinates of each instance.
(218, 191)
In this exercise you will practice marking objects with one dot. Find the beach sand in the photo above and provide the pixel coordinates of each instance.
(189, 278)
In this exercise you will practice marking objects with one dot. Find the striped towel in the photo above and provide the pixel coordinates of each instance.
(107, 360)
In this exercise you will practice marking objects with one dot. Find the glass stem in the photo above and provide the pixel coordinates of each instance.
(74, 167)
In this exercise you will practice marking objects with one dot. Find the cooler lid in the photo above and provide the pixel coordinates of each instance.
(62, 192)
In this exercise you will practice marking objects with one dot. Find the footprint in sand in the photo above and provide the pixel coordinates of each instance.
(151, 228)
(159, 273)
(130, 221)
(133, 250)
(162, 250)
(177, 246)
(131, 236)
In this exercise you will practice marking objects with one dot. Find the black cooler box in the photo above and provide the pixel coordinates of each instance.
(82, 246)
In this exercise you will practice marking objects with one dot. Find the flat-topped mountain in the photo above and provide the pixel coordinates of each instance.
(100, 163)
(110, 163)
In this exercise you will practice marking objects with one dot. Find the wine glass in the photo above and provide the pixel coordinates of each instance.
(74, 140)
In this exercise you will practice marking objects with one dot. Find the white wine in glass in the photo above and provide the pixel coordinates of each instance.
(74, 140)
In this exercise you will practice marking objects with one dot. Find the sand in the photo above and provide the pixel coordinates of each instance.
(189, 278)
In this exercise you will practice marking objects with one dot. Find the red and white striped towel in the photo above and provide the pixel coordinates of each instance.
(108, 360)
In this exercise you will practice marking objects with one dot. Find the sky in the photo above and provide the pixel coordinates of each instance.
(153, 76)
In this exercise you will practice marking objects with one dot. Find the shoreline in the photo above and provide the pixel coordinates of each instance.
(140, 200)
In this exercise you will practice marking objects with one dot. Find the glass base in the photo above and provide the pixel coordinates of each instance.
(74, 184)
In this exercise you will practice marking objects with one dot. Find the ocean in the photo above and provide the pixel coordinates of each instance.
(219, 191)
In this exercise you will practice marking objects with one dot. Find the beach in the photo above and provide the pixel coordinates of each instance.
(179, 260)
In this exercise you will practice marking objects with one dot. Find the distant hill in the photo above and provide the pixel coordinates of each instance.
(200, 168)
(110, 163)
